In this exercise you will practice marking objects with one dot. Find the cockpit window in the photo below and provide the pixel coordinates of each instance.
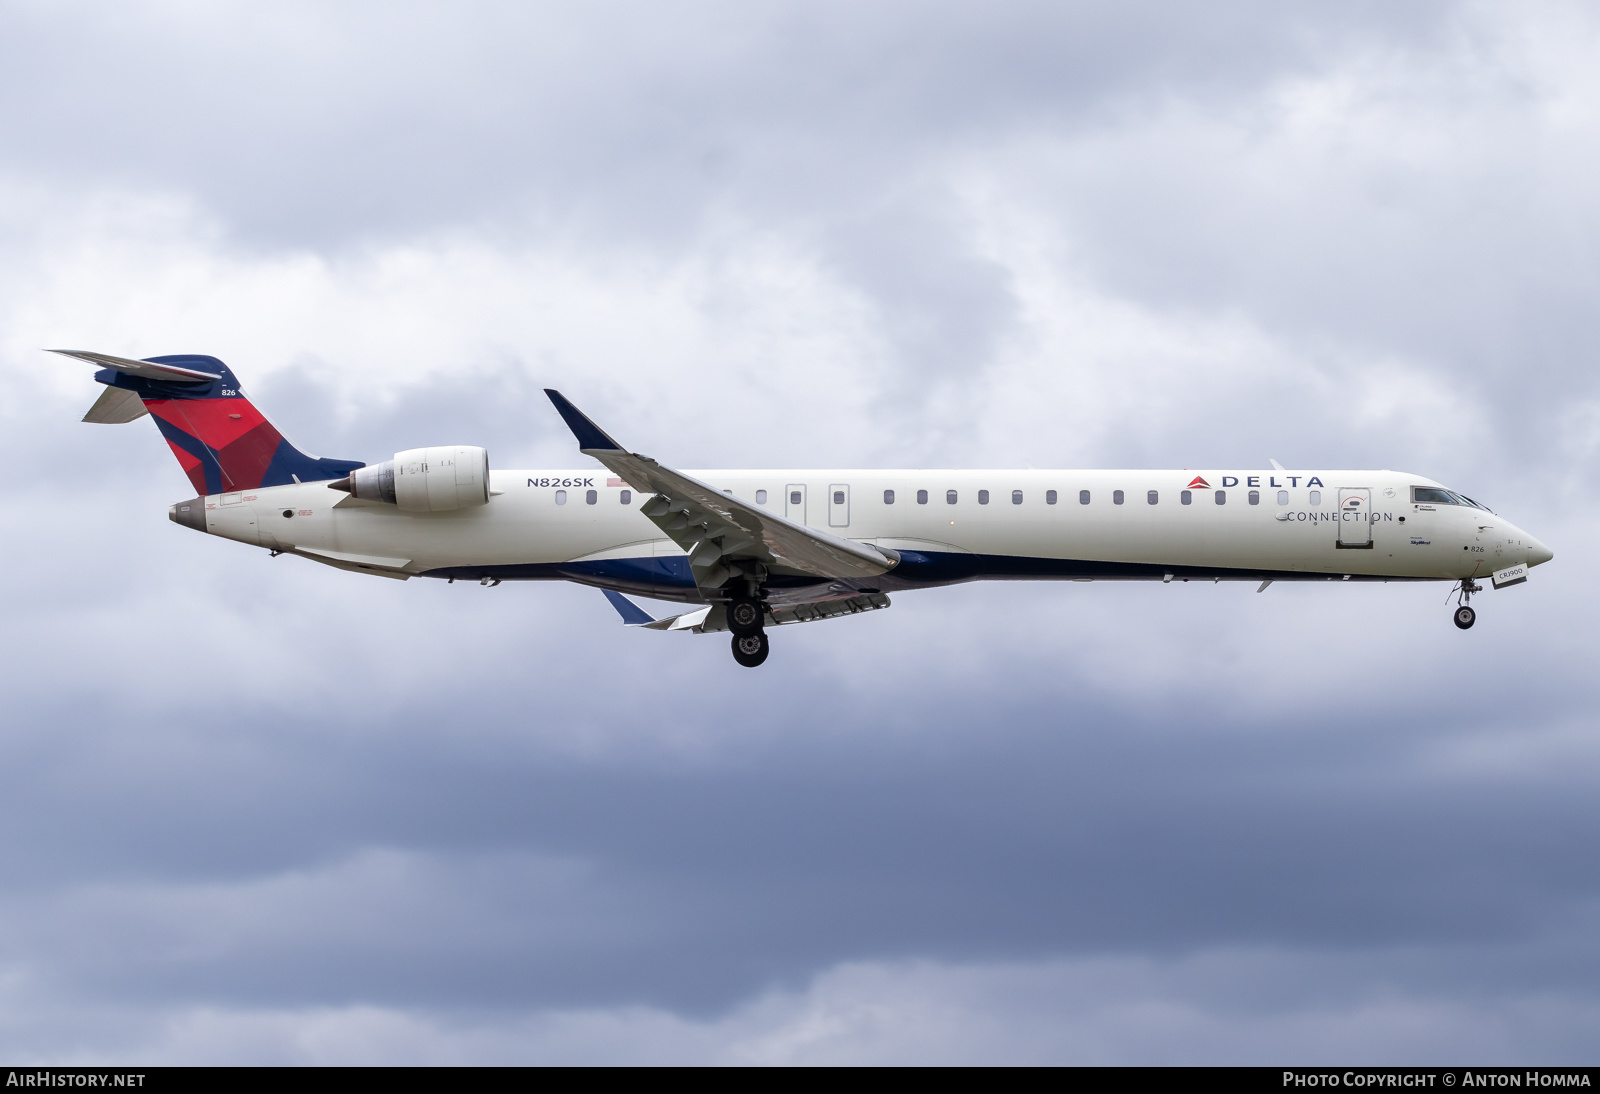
(1432, 495)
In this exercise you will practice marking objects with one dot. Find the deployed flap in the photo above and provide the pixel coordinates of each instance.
(688, 621)
(715, 618)
(147, 369)
(716, 528)
(116, 406)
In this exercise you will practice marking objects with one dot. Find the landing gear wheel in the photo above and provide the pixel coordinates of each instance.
(745, 616)
(750, 649)
(1465, 617)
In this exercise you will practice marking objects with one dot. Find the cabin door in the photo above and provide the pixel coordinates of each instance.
(1355, 517)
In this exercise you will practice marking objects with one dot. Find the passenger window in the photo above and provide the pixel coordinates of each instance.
(1255, 497)
(1186, 497)
(922, 497)
(794, 497)
(561, 497)
(1316, 497)
(983, 497)
(1222, 497)
(838, 497)
(761, 497)
(1016, 497)
(1049, 497)
(1116, 497)
(949, 497)
(888, 497)
(627, 497)
(1283, 497)
(591, 497)
(1083, 497)
(1154, 497)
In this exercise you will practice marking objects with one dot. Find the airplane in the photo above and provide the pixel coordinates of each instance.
(750, 550)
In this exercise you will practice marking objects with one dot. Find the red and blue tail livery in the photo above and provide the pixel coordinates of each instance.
(221, 440)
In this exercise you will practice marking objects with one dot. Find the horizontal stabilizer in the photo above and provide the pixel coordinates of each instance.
(632, 614)
(116, 406)
(148, 370)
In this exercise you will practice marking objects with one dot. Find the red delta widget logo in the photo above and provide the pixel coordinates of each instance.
(1199, 482)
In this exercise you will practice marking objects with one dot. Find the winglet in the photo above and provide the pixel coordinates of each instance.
(631, 613)
(590, 436)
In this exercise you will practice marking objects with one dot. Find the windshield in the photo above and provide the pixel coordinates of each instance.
(1433, 495)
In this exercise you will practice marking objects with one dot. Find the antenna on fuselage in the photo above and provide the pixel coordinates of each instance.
(1276, 464)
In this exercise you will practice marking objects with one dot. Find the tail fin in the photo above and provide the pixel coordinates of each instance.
(221, 440)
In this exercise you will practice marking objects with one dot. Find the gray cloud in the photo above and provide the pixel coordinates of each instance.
(262, 810)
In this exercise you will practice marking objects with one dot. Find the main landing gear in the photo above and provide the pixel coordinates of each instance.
(746, 618)
(751, 649)
(1464, 616)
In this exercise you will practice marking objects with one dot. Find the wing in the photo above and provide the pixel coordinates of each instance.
(726, 536)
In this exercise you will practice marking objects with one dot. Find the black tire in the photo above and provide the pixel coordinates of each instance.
(758, 645)
(1465, 617)
(746, 616)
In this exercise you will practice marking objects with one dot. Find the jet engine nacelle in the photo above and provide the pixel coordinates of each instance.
(427, 480)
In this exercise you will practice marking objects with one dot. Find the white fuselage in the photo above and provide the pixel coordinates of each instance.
(576, 525)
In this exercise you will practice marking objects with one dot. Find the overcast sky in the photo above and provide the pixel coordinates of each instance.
(257, 810)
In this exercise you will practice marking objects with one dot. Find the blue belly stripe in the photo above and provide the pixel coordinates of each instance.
(669, 577)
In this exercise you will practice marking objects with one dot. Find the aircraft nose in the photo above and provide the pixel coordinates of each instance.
(1538, 552)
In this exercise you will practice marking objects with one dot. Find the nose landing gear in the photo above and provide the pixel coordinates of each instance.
(1464, 616)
